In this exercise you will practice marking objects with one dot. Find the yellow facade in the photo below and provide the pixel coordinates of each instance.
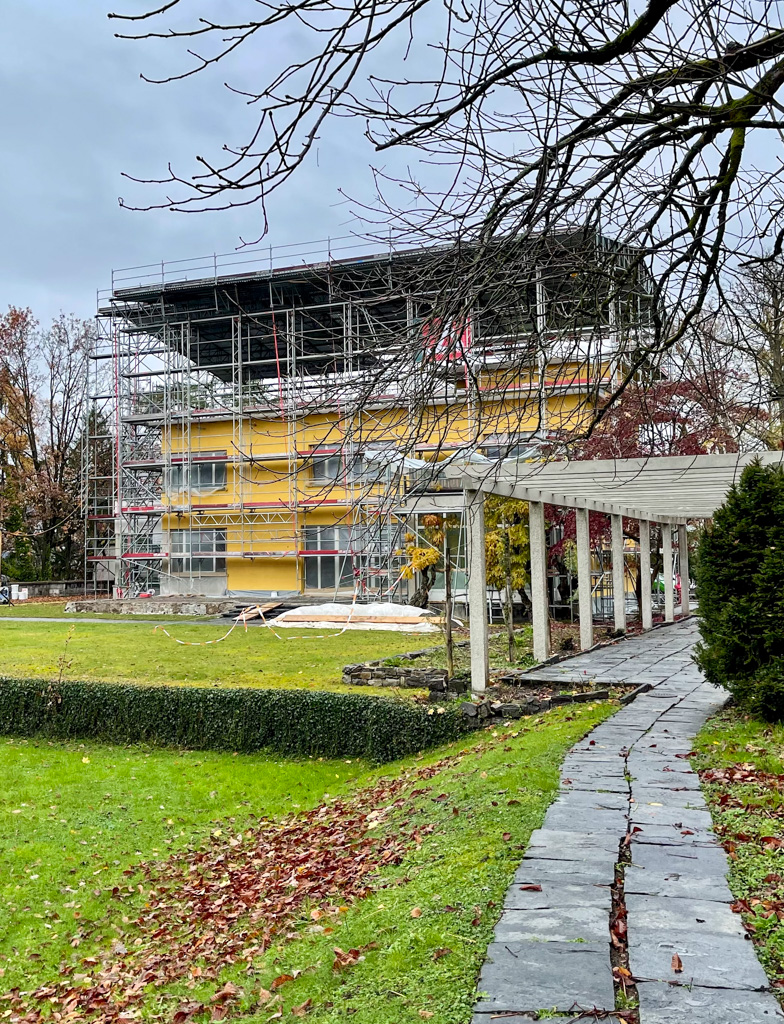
(252, 483)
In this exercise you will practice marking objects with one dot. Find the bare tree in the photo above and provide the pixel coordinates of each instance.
(759, 307)
(633, 120)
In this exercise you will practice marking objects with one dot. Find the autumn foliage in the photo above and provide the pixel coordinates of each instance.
(42, 418)
(224, 904)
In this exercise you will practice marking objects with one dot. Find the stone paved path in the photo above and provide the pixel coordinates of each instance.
(551, 948)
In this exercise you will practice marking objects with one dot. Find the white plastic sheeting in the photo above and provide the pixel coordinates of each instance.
(312, 617)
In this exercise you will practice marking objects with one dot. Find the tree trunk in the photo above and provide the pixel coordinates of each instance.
(525, 601)
(450, 648)
(508, 606)
(421, 595)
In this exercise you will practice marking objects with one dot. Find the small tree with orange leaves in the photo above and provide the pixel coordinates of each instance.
(426, 560)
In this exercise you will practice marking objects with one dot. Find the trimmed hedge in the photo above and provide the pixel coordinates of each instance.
(293, 722)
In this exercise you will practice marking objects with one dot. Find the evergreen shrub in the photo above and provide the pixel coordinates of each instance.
(292, 722)
(740, 589)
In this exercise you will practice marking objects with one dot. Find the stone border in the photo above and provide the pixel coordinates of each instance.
(488, 708)
(369, 674)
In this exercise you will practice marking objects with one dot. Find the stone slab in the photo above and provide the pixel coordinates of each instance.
(583, 820)
(538, 871)
(555, 924)
(658, 914)
(678, 871)
(675, 796)
(531, 976)
(593, 799)
(679, 1004)
(558, 842)
(707, 936)
(649, 814)
(558, 892)
(526, 1018)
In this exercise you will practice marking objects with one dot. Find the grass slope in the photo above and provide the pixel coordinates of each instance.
(410, 949)
(73, 817)
(741, 763)
(121, 653)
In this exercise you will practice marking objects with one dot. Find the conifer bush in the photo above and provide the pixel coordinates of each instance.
(740, 589)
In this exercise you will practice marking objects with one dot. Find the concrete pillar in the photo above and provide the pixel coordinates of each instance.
(618, 574)
(477, 589)
(683, 559)
(539, 603)
(646, 610)
(585, 598)
(669, 589)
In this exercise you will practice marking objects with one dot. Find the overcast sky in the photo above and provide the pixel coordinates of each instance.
(75, 115)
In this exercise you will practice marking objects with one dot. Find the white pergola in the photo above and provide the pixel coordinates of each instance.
(668, 490)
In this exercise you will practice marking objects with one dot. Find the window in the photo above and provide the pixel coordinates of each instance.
(198, 551)
(327, 469)
(333, 567)
(208, 476)
(368, 467)
(176, 479)
(199, 476)
(510, 446)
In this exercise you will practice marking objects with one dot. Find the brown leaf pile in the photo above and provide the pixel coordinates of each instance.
(743, 774)
(224, 904)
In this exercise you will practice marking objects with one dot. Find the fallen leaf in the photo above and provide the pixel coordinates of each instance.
(677, 963)
(345, 958)
(280, 981)
(228, 992)
(416, 912)
(531, 888)
(302, 1009)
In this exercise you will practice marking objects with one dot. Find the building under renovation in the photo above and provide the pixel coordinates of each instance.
(280, 420)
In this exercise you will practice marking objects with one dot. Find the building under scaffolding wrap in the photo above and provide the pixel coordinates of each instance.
(279, 420)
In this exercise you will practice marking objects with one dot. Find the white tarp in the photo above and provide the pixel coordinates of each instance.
(312, 617)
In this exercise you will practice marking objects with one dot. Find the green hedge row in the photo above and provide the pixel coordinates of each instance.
(294, 722)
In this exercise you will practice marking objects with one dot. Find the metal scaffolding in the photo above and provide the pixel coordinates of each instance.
(252, 348)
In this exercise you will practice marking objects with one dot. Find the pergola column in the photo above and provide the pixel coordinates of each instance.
(539, 603)
(669, 589)
(477, 589)
(618, 575)
(584, 596)
(646, 609)
(683, 559)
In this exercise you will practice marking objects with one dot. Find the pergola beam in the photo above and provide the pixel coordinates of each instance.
(525, 492)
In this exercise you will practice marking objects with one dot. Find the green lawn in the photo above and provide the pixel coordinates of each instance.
(332, 934)
(137, 653)
(74, 817)
(25, 609)
(741, 763)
